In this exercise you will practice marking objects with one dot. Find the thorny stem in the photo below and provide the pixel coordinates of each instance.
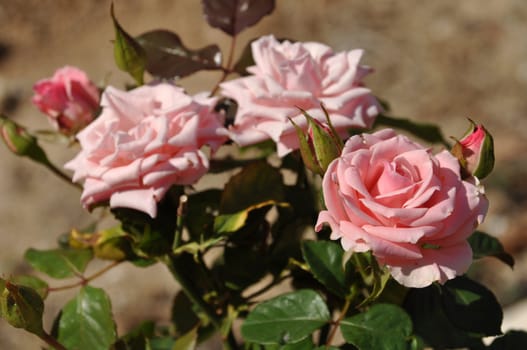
(337, 322)
(228, 67)
(84, 280)
(181, 213)
(54, 343)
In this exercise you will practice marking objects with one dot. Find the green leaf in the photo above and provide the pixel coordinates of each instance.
(288, 318)
(472, 307)
(167, 57)
(324, 258)
(86, 322)
(40, 286)
(512, 340)
(137, 338)
(129, 55)
(161, 343)
(382, 327)
(59, 263)
(427, 132)
(22, 307)
(258, 185)
(201, 207)
(184, 317)
(427, 310)
(188, 341)
(233, 16)
(483, 245)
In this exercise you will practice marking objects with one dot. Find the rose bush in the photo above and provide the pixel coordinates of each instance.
(69, 99)
(287, 76)
(411, 208)
(145, 141)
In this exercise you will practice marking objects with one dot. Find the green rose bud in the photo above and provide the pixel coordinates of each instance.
(320, 145)
(20, 141)
(475, 151)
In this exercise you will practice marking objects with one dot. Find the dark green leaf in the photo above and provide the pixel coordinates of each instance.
(235, 272)
(382, 327)
(201, 208)
(21, 306)
(512, 340)
(184, 317)
(288, 318)
(129, 55)
(324, 258)
(59, 263)
(167, 57)
(472, 307)
(233, 16)
(427, 132)
(246, 60)
(86, 322)
(483, 244)
(40, 286)
(425, 306)
(258, 185)
(161, 343)
(137, 338)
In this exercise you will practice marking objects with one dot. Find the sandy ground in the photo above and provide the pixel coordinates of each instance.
(438, 61)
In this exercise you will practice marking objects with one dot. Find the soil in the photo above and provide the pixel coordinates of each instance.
(438, 62)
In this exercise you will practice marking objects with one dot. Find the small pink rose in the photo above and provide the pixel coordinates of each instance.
(145, 141)
(68, 98)
(409, 207)
(288, 76)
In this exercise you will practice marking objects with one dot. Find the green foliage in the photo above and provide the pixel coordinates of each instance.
(22, 307)
(483, 245)
(59, 263)
(129, 55)
(325, 259)
(382, 327)
(427, 132)
(86, 321)
(288, 318)
(454, 315)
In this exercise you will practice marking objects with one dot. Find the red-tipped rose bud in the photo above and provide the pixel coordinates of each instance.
(20, 141)
(319, 146)
(475, 151)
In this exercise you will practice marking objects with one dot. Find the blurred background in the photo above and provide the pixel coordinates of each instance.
(435, 61)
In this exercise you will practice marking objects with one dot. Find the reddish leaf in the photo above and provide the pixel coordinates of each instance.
(233, 16)
(167, 57)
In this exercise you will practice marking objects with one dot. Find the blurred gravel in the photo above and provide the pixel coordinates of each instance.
(437, 61)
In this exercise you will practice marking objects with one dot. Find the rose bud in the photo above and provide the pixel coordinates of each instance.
(319, 146)
(20, 141)
(68, 98)
(475, 151)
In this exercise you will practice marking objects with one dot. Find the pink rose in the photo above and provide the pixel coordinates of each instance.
(409, 207)
(145, 141)
(69, 99)
(291, 75)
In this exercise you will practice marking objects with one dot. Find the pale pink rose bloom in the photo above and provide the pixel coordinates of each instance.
(409, 207)
(287, 76)
(145, 141)
(69, 99)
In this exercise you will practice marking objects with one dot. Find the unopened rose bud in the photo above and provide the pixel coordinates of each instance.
(319, 146)
(69, 99)
(20, 141)
(475, 151)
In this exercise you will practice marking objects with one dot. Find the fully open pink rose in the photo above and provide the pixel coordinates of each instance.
(391, 196)
(292, 75)
(68, 98)
(145, 141)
